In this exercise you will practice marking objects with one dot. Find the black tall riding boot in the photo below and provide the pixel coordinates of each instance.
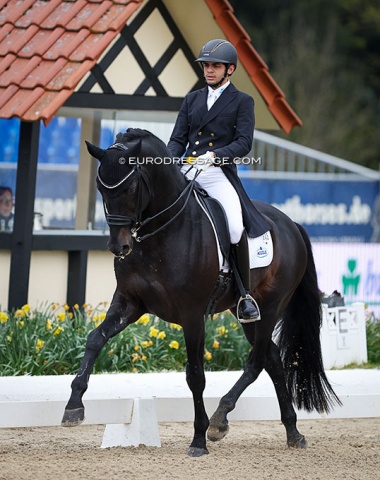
(247, 307)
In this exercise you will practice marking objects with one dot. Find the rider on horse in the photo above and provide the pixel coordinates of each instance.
(214, 128)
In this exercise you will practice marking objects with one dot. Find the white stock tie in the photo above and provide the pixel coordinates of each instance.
(211, 99)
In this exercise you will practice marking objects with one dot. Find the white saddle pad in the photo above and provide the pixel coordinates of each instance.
(260, 248)
(260, 252)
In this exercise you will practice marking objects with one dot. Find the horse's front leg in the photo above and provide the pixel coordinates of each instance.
(195, 377)
(118, 317)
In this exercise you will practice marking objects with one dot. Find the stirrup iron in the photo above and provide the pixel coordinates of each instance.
(249, 320)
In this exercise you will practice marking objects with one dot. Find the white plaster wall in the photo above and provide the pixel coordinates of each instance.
(101, 281)
(48, 278)
(5, 260)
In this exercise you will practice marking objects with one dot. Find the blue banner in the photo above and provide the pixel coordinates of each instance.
(329, 211)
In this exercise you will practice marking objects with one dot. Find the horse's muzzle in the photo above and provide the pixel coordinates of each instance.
(121, 245)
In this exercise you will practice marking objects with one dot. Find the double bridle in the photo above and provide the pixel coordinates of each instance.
(135, 221)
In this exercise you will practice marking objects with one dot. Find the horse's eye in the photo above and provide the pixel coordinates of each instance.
(132, 189)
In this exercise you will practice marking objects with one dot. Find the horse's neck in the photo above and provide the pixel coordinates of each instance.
(167, 185)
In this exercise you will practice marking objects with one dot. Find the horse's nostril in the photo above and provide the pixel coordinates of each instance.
(123, 251)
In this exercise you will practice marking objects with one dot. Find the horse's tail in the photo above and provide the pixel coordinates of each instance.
(300, 346)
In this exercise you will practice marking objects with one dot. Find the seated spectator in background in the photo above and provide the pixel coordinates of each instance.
(6, 206)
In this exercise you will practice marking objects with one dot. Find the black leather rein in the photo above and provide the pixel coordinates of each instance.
(134, 222)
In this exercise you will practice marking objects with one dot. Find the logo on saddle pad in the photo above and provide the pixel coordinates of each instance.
(262, 252)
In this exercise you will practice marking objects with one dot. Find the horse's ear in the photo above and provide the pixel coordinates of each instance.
(94, 151)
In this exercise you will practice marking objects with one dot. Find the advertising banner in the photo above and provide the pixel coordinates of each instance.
(341, 211)
(352, 269)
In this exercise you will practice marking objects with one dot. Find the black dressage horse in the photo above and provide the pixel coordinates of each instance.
(166, 263)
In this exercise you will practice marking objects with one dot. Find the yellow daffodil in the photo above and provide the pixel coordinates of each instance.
(145, 344)
(175, 326)
(26, 308)
(222, 330)
(161, 335)
(39, 345)
(57, 331)
(49, 325)
(174, 344)
(61, 316)
(9, 338)
(3, 317)
(143, 358)
(153, 332)
(102, 316)
(66, 307)
(21, 324)
(135, 357)
(19, 313)
(208, 355)
(144, 319)
(216, 344)
(76, 306)
(137, 347)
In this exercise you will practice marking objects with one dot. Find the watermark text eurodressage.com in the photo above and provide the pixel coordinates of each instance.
(177, 160)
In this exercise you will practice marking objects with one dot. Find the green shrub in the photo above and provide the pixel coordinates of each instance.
(51, 341)
(373, 342)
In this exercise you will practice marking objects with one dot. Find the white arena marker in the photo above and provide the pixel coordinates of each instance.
(143, 429)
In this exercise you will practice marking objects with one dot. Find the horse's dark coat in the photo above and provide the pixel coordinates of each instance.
(172, 274)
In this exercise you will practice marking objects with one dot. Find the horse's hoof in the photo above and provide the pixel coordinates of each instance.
(197, 452)
(73, 418)
(215, 433)
(298, 442)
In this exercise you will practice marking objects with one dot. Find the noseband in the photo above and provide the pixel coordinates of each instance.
(142, 200)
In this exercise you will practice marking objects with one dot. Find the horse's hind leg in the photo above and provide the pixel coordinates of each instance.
(114, 323)
(275, 370)
(218, 422)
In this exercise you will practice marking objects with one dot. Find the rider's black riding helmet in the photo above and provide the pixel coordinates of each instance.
(218, 51)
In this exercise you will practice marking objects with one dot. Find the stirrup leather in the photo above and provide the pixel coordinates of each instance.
(249, 320)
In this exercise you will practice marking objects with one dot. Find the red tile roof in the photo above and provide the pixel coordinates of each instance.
(254, 65)
(47, 47)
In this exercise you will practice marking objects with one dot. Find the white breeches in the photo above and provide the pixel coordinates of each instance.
(217, 185)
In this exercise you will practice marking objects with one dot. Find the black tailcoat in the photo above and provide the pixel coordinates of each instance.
(227, 130)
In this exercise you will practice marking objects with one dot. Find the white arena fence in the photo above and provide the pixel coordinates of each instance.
(131, 406)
